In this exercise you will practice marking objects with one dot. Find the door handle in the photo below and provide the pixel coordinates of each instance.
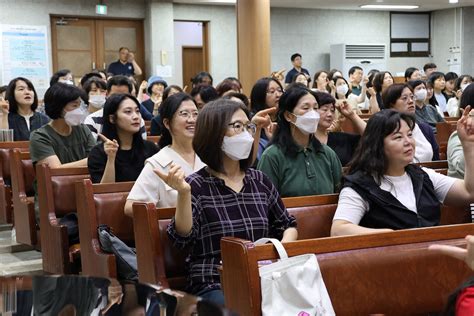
(104, 65)
(93, 65)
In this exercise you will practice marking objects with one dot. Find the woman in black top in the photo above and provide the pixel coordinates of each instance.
(122, 153)
(344, 144)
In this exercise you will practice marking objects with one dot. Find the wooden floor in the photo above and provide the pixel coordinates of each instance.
(17, 259)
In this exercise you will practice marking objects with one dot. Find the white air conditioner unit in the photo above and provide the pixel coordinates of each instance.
(369, 56)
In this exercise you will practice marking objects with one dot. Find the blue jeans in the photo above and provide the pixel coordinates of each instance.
(213, 296)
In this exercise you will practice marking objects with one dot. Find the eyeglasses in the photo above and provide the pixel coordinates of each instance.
(239, 127)
(274, 91)
(405, 98)
(187, 115)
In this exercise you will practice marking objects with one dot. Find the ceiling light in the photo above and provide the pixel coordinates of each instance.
(453, 1)
(389, 6)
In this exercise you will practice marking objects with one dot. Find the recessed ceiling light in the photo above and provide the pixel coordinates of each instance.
(389, 6)
(453, 1)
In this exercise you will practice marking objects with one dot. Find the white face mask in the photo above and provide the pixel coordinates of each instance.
(421, 94)
(308, 122)
(75, 117)
(97, 101)
(342, 89)
(464, 86)
(238, 147)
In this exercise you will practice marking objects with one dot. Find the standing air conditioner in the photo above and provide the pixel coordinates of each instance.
(370, 56)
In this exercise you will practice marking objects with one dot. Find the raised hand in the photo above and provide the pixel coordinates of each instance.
(365, 81)
(466, 255)
(131, 57)
(262, 118)
(143, 85)
(344, 108)
(465, 126)
(372, 92)
(4, 106)
(175, 178)
(110, 146)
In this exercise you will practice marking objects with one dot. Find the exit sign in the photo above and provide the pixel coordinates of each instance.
(101, 9)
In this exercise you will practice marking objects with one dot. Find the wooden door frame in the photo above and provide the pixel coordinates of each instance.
(99, 60)
(205, 42)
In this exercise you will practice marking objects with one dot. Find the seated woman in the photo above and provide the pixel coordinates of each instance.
(399, 97)
(455, 153)
(64, 142)
(302, 78)
(96, 90)
(178, 115)
(296, 161)
(265, 94)
(227, 198)
(21, 115)
(384, 190)
(381, 81)
(424, 113)
(344, 93)
(453, 103)
(156, 86)
(122, 154)
(343, 144)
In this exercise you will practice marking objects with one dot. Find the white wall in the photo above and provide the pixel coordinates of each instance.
(467, 41)
(185, 34)
(222, 37)
(445, 32)
(311, 32)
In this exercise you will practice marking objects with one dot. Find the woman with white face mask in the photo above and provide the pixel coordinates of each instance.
(296, 162)
(96, 90)
(226, 198)
(424, 113)
(65, 141)
(459, 86)
(62, 76)
(344, 93)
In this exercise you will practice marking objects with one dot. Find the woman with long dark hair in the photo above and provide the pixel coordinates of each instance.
(122, 153)
(178, 115)
(383, 190)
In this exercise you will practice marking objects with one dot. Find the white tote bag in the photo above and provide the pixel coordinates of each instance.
(293, 286)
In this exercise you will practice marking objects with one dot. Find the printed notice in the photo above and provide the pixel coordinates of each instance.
(24, 53)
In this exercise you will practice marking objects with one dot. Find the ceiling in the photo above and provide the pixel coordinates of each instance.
(425, 5)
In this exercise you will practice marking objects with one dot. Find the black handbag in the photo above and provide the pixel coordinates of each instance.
(126, 257)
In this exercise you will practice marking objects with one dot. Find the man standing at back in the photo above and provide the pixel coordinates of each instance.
(126, 65)
(355, 79)
(297, 63)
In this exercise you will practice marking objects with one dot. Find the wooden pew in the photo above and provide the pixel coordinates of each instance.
(154, 139)
(391, 273)
(159, 262)
(6, 210)
(22, 176)
(443, 131)
(101, 204)
(57, 197)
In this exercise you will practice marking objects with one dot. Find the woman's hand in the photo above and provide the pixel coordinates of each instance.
(143, 86)
(372, 91)
(4, 107)
(175, 178)
(466, 255)
(110, 146)
(262, 118)
(465, 127)
(344, 108)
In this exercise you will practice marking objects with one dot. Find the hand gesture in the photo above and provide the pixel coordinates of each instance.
(365, 81)
(110, 146)
(262, 118)
(4, 107)
(458, 94)
(372, 92)
(466, 255)
(131, 57)
(331, 85)
(175, 178)
(465, 126)
(344, 108)
(143, 85)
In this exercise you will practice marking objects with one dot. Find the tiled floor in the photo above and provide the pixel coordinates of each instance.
(16, 259)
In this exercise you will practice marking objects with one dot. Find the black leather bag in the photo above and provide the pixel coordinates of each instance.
(126, 257)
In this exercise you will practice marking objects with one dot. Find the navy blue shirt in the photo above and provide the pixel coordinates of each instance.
(117, 68)
(293, 72)
(17, 123)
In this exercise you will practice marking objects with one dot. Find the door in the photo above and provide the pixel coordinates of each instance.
(74, 45)
(82, 44)
(193, 62)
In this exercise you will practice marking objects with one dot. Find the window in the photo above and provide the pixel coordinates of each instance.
(410, 34)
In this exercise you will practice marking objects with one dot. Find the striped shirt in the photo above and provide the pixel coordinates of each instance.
(256, 211)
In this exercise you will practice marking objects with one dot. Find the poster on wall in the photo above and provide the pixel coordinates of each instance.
(24, 53)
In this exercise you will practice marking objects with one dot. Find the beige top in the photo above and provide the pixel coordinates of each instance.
(150, 188)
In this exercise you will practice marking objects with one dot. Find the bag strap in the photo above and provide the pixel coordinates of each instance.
(278, 245)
